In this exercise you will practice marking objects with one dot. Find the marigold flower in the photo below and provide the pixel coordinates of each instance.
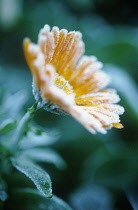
(65, 80)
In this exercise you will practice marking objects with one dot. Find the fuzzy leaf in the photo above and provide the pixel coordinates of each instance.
(27, 199)
(45, 155)
(40, 177)
(34, 140)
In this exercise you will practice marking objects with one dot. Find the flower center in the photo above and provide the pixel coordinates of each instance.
(63, 84)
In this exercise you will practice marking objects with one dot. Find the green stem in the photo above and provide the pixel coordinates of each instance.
(23, 124)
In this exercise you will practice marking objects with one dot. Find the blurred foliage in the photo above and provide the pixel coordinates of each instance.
(101, 170)
(92, 196)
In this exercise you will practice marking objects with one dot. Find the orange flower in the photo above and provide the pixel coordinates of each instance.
(64, 81)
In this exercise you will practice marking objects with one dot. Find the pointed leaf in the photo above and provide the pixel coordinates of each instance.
(40, 177)
(34, 140)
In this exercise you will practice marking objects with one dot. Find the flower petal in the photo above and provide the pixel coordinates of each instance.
(67, 52)
(85, 68)
(106, 108)
(34, 58)
(61, 49)
(100, 97)
(107, 114)
(94, 83)
(46, 43)
(117, 125)
(87, 120)
(98, 118)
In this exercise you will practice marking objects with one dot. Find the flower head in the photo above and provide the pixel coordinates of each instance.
(67, 81)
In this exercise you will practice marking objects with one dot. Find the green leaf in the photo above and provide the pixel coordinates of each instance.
(45, 155)
(40, 177)
(27, 199)
(34, 140)
(7, 126)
